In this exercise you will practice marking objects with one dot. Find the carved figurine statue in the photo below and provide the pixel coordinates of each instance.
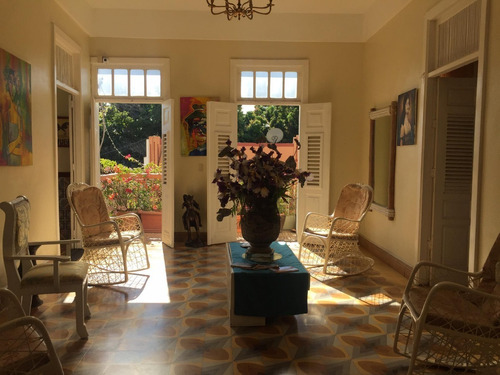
(192, 218)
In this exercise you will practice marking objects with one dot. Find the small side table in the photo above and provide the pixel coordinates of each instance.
(257, 294)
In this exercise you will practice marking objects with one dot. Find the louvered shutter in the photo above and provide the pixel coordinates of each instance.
(457, 36)
(459, 153)
(168, 201)
(222, 125)
(453, 171)
(314, 157)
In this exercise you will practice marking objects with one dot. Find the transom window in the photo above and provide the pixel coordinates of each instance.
(131, 78)
(269, 81)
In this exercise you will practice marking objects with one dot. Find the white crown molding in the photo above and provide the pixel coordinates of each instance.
(201, 25)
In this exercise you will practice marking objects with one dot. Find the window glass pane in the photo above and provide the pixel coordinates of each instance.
(246, 84)
(104, 82)
(261, 84)
(276, 84)
(121, 82)
(153, 82)
(290, 85)
(137, 82)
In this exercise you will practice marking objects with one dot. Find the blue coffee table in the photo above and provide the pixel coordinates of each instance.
(257, 294)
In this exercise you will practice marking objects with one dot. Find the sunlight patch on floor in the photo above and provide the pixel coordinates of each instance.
(378, 299)
(155, 288)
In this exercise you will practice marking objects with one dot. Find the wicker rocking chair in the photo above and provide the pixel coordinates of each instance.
(450, 319)
(25, 345)
(113, 246)
(331, 241)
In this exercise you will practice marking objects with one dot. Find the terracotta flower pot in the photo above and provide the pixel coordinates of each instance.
(151, 221)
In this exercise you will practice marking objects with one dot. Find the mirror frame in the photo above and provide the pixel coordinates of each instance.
(390, 111)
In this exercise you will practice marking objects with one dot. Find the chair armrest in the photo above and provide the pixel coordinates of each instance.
(24, 321)
(110, 226)
(344, 225)
(55, 242)
(128, 222)
(65, 245)
(421, 275)
(55, 258)
(109, 222)
(317, 223)
(346, 219)
(127, 215)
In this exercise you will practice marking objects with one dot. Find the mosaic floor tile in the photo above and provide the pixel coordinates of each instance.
(174, 319)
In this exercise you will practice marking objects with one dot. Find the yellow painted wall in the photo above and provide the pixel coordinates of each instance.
(394, 63)
(26, 31)
(201, 68)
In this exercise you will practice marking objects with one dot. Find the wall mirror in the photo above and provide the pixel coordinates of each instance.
(383, 158)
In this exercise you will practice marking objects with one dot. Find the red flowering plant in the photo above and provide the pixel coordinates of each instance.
(131, 189)
(264, 175)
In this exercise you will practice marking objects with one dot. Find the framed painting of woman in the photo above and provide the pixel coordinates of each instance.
(406, 120)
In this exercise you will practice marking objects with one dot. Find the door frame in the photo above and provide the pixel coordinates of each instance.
(430, 100)
(70, 83)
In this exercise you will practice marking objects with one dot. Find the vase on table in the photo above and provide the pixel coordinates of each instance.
(260, 226)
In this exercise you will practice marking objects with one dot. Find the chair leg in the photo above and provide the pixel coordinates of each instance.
(146, 252)
(327, 257)
(87, 312)
(81, 328)
(416, 341)
(26, 303)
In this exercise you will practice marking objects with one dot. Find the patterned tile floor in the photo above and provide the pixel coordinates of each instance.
(173, 319)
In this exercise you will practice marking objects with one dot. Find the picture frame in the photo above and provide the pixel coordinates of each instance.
(16, 136)
(194, 125)
(63, 131)
(406, 131)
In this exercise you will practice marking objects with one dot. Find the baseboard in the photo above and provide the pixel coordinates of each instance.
(385, 257)
(181, 237)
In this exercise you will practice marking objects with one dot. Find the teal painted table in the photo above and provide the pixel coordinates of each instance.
(257, 294)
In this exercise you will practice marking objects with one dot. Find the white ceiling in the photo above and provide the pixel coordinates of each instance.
(290, 20)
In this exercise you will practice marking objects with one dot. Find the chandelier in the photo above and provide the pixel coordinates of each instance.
(247, 9)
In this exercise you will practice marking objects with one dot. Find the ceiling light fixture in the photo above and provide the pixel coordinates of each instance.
(247, 9)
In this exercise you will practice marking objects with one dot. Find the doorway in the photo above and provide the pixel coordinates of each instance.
(130, 160)
(453, 166)
(447, 26)
(65, 159)
(278, 124)
(315, 121)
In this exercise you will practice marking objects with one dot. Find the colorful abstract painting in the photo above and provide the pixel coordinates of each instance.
(15, 111)
(194, 126)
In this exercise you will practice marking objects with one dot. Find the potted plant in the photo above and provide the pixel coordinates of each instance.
(253, 189)
(133, 189)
